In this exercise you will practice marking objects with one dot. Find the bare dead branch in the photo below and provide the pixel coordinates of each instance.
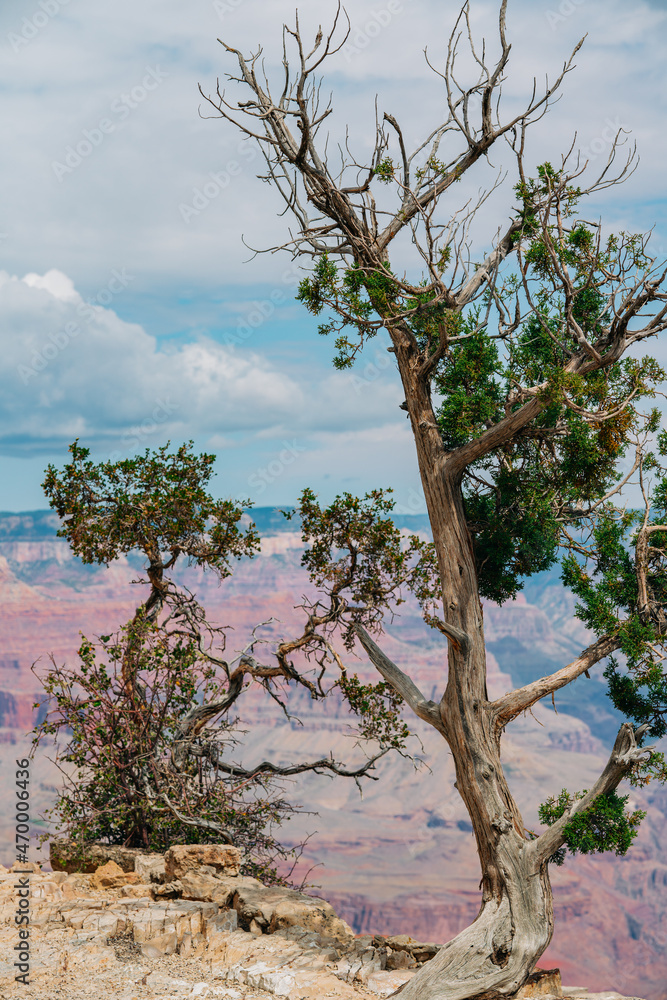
(504, 709)
(400, 682)
(318, 766)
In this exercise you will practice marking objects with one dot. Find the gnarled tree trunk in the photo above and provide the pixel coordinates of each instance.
(490, 957)
(494, 956)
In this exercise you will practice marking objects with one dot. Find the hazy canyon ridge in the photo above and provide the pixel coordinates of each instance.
(400, 859)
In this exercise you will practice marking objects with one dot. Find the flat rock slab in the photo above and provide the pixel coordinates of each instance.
(217, 889)
(273, 909)
(385, 983)
(220, 859)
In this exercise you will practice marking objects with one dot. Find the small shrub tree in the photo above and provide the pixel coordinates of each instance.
(141, 723)
(134, 774)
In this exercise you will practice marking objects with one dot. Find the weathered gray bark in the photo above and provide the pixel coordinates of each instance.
(494, 955)
(489, 958)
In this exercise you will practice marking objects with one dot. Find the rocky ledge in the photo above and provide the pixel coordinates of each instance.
(187, 924)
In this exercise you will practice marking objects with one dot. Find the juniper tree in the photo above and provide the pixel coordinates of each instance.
(523, 387)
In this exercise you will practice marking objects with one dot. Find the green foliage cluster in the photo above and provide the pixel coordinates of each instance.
(156, 502)
(609, 592)
(529, 193)
(521, 497)
(384, 171)
(360, 558)
(356, 296)
(468, 381)
(430, 318)
(605, 826)
(379, 709)
(606, 585)
(432, 170)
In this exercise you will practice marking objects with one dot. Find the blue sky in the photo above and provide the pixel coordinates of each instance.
(130, 310)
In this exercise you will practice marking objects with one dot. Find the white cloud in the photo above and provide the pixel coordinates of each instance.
(58, 284)
(70, 369)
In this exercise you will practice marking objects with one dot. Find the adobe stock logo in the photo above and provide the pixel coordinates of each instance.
(565, 9)
(218, 182)
(31, 26)
(121, 107)
(222, 7)
(263, 477)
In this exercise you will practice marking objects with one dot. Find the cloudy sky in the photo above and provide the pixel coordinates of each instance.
(131, 312)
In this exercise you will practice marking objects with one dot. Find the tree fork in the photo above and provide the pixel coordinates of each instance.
(515, 923)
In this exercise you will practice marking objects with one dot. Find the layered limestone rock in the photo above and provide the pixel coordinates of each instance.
(217, 859)
(150, 868)
(220, 936)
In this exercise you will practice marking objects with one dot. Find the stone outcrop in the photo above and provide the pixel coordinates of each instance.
(273, 909)
(209, 873)
(404, 952)
(112, 876)
(542, 983)
(212, 889)
(214, 859)
(92, 936)
(150, 868)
